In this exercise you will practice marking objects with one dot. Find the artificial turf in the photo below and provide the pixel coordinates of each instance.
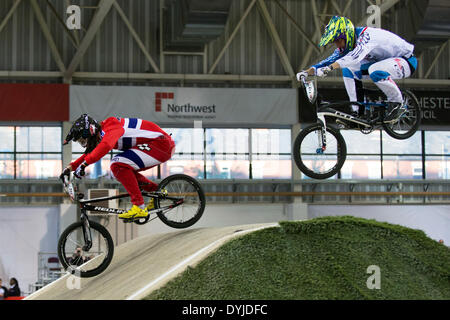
(322, 258)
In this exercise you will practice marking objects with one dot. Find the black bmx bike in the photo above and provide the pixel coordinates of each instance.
(320, 150)
(86, 248)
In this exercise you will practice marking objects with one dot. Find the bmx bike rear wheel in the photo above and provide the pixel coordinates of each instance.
(408, 123)
(185, 188)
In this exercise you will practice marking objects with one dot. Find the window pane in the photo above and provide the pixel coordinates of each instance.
(38, 139)
(22, 138)
(402, 167)
(52, 139)
(437, 142)
(227, 140)
(271, 141)
(187, 140)
(271, 167)
(38, 166)
(6, 166)
(437, 167)
(227, 167)
(29, 139)
(358, 142)
(192, 165)
(361, 167)
(7, 139)
(412, 145)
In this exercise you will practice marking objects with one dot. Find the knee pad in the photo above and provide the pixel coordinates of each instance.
(346, 73)
(378, 75)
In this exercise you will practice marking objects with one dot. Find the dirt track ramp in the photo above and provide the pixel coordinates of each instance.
(144, 264)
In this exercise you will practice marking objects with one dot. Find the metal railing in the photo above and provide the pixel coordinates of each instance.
(244, 191)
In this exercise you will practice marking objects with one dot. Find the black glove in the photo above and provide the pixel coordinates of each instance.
(66, 172)
(79, 173)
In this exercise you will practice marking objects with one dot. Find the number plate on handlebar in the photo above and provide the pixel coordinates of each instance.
(310, 91)
(69, 188)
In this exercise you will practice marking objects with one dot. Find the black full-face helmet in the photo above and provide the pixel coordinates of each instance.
(85, 131)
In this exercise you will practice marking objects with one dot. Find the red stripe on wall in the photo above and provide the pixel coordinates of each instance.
(34, 102)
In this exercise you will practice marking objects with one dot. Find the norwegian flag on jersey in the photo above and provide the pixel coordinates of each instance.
(137, 132)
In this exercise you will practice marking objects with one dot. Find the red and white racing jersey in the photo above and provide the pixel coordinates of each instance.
(136, 132)
(122, 134)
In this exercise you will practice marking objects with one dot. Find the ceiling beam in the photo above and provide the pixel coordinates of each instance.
(347, 7)
(136, 37)
(9, 14)
(103, 8)
(298, 28)
(14, 75)
(233, 34)
(436, 58)
(316, 34)
(336, 7)
(48, 36)
(75, 41)
(276, 39)
(413, 83)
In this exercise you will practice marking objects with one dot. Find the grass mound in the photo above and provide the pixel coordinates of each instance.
(322, 258)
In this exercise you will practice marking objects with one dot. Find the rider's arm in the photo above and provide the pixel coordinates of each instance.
(113, 131)
(326, 62)
(75, 164)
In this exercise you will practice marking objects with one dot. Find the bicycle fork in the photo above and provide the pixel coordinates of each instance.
(87, 235)
(322, 136)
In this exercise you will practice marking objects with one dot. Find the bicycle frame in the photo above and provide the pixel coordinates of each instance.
(327, 109)
(85, 205)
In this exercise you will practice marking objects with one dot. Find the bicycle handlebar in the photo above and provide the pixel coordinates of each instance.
(303, 80)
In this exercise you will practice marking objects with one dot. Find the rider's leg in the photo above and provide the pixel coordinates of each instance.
(350, 86)
(144, 183)
(383, 74)
(124, 167)
(350, 82)
(159, 151)
(124, 173)
(126, 164)
(353, 84)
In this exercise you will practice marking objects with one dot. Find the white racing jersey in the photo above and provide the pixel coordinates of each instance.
(373, 45)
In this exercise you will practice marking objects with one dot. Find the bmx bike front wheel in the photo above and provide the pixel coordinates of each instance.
(311, 159)
(74, 255)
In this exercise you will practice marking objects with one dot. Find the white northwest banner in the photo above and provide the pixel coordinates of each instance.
(174, 105)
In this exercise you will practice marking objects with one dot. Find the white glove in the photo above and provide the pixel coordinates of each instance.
(79, 172)
(302, 74)
(322, 72)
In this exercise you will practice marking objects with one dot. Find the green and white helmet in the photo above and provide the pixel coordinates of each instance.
(339, 28)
